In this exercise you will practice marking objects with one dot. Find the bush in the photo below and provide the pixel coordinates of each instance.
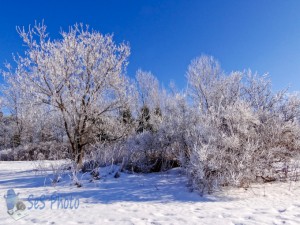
(244, 131)
(150, 152)
(38, 151)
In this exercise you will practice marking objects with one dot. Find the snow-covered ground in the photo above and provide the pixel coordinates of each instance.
(158, 198)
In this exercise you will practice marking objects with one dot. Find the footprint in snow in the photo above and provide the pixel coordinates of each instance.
(281, 210)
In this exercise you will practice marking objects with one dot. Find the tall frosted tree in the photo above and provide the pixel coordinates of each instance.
(80, 75)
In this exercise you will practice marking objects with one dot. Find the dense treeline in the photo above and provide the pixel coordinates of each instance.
(71, 98)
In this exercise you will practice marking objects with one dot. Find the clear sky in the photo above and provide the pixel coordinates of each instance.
(165, 36)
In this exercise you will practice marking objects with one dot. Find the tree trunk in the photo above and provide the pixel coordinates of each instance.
(79, 157)
(78, 151)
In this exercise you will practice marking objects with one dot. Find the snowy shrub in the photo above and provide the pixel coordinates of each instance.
(6, 155)
(144, 152)
(243, 131)
(39, 151)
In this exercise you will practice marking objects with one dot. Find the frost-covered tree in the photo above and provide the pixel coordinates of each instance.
(18, 112)
(80, 75)
(149, 101)
(202, 75)
(148, 87)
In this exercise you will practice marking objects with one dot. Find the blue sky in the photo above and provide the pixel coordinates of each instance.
(165, 36)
